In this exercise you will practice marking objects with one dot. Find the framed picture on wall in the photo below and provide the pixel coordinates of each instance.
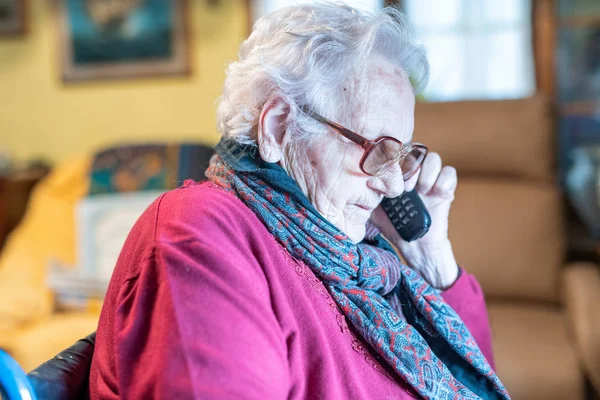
(104, 39)
(12, 17)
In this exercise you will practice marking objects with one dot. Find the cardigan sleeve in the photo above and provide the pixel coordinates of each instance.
(466, 298)
(197, 321)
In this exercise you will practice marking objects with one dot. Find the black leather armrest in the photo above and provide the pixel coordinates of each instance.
(66, 375)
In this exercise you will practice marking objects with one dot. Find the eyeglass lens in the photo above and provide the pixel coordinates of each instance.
(383, 157)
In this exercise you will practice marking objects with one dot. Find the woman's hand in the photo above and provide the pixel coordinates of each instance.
(432, 255)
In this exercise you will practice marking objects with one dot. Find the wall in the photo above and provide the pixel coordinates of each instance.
(41, 116)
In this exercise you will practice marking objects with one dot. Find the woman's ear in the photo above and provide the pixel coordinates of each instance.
(271, 130)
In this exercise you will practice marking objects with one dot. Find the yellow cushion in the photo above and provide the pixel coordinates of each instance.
(46, 338)
(46, 232)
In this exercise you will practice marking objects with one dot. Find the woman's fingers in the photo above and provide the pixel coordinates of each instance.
(434, 179)
(446, 183)
(430, 170)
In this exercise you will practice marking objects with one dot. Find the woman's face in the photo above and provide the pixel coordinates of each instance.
(328, 171)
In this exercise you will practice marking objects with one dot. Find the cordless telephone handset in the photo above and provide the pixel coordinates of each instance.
(408, 215)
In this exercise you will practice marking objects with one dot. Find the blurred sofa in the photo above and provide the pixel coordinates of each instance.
(508, 229)
(30, 330)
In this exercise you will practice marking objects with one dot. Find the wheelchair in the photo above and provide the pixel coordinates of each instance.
(63, 377)
(14, 384)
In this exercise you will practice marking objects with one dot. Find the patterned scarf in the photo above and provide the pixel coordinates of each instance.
(430, 348)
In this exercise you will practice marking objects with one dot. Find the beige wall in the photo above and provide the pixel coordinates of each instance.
(41, 116)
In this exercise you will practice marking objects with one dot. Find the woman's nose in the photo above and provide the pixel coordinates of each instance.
(390, 184)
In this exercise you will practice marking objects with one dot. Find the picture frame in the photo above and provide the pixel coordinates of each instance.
(115, 39)
(12, 17)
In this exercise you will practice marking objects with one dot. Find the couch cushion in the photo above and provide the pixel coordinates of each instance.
(46, 232)
(581, 295)
(510, 236)
(534, 358)
(512, 138)
(46, 338)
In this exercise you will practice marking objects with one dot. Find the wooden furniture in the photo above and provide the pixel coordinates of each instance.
(15, 189)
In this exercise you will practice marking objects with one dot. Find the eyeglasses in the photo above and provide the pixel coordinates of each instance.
(380, 155)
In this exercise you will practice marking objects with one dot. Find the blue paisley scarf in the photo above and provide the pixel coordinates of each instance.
(430, 347)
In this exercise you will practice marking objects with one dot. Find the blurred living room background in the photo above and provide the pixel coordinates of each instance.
(105, 104)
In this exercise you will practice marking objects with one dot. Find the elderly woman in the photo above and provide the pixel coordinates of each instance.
(271, 280)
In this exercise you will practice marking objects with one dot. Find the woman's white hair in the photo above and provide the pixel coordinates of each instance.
(314, 55)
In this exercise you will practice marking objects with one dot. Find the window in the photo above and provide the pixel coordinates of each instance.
(262, 7)
(477, 49)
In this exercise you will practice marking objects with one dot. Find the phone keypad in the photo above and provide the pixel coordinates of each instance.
(404, 210)
(408, 215)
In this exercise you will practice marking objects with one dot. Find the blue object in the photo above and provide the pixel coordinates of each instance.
(14, 384)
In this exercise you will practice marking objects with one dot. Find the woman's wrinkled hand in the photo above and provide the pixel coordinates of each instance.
(431, 255)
